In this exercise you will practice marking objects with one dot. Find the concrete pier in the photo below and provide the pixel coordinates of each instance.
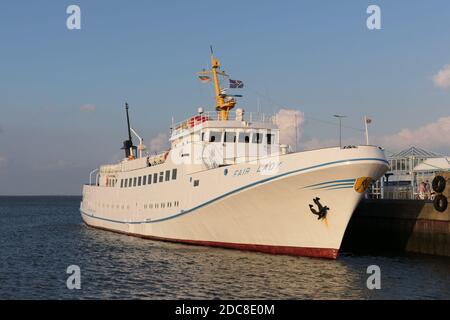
(398, 226)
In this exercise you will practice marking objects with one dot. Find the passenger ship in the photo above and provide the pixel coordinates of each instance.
(226, 181)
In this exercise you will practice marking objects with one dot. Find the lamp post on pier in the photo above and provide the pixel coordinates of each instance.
(340, 117)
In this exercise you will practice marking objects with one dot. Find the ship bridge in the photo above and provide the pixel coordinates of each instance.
(212, 140)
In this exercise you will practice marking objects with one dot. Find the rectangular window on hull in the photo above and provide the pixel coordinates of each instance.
(174, 174)
(149, 179)
(130, 180)
(155, 178)
(134, 181)
(270, 138)
(161, 176)
(139, 181)
(126, 183)
(121, 183)
(168, 175)
(144, 180)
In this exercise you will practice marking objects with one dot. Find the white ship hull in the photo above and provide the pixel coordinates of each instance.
(262, 206)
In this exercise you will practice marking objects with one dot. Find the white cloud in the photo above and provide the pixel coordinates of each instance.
(433, 136)
(290, 123)
(442, 78)
(88, 108)
(316, 143)
(158, 143)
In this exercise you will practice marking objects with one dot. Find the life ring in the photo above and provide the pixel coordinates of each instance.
(440, 203)
(438, 184)
(196, 120)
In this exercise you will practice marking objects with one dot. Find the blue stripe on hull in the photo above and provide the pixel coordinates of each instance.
(346, 181)
(236, 190)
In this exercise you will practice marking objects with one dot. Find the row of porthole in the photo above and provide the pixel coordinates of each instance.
(112, 206)
(162, 205)
(149, 206)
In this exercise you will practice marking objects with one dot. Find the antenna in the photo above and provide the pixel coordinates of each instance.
(211, 48)
(128, 121)
(128, 144)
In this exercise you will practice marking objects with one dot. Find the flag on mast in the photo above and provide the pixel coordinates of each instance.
(368, 120)
(236, 84)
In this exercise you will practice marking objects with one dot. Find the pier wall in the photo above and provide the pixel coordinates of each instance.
(400, 226)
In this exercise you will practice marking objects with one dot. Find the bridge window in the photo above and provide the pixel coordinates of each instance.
(126, 183)
(270, 138)
(155, 177)
(215, 136)
(134, 181)
(230, 137)
(174, 174)
(161, 176)
(149, 179)
(167, 175)
(130, 181)
(139, 181)
(257, 137)
(244, 137)
(144, 180)
(121, 183)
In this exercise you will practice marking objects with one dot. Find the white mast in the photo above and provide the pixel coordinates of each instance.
(367, 129)
(141, 146)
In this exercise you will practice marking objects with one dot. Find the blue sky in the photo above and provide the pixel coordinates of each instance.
(314, 56)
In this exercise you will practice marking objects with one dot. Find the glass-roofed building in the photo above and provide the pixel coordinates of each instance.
(403, 163)
(401, 181)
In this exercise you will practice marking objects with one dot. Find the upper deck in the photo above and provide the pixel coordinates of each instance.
(237, 119)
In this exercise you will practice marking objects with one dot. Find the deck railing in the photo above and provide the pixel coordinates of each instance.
(215, 116)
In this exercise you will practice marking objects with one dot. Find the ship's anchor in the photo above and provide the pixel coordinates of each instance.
(322, 213)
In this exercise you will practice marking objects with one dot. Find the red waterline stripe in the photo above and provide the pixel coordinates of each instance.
(284, 250)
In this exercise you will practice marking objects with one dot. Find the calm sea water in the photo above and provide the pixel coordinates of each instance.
(41, 236)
